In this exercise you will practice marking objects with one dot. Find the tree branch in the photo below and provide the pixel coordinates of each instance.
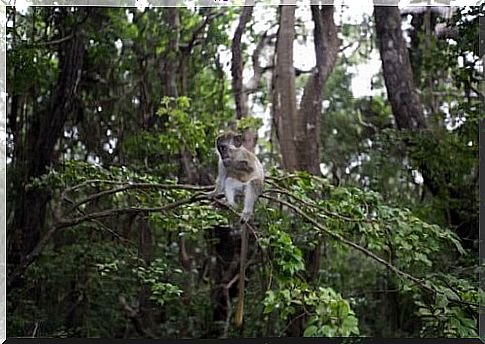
(238, 64)
(128, 186)
(419, 282)
(62, 222)
(47, 43)
(115, 211)
(195, 37)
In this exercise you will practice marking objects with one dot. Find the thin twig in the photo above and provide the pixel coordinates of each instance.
(327, 213)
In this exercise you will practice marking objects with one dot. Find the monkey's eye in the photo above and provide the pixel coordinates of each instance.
(223, 148)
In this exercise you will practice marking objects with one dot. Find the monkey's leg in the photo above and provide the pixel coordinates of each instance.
(230, 192)
(251, 194)
(242, 276)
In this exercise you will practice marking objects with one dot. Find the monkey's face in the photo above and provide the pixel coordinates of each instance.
(226, 144)
(227, 152)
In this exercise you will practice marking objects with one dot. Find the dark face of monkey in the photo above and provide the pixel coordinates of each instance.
(225, 143)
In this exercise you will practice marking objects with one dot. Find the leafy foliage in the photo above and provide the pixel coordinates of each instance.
(135, 253)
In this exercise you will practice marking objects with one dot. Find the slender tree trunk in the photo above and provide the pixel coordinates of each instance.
(145, 252)
(240, 90)
(310, 112)
(225, 250)
(298, 130)
(284, 96)
(238, 64)
(171, 66)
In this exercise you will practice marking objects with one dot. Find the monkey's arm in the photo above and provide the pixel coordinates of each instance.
(221, 177)
(251, 194)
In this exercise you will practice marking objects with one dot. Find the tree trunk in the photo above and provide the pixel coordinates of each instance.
(237, 64)
(145, 252)
(171, 66)
(225, 248)
(396, 66)
(240, 90)
(326, 51)
(171, 63)
(284, 95)
(298, 131)
(43, 132)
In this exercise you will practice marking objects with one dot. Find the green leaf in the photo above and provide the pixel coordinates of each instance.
(310, 331)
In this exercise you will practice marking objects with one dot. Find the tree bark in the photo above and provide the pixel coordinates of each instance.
(284, 96)
(171, 63)
(240, 90)
(170, 72)
(237, 64)
(145, 252)
(225, 249)
(298, 130)
(398, 76)
(326, 51)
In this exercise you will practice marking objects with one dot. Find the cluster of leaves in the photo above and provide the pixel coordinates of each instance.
(183, 129)
(329, 314)
(342, 215)
(397, 236)
(73, 288)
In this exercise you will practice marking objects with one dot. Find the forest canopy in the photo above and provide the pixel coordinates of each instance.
(366, 124)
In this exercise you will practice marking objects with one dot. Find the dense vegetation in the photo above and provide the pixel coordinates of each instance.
(369, 227)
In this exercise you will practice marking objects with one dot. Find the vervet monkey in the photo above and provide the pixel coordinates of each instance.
(240, 172)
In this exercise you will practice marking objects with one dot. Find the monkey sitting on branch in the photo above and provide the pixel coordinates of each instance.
(239, 173)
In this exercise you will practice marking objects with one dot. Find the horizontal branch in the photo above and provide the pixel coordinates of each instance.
(129, 186)
(326, 212)
(155, 185)
(61, 222)
(40, 44)
(129, 210)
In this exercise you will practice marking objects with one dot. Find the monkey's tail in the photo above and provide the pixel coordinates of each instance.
(238, 320)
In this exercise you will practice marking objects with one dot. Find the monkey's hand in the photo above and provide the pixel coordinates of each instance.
(244, 217)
